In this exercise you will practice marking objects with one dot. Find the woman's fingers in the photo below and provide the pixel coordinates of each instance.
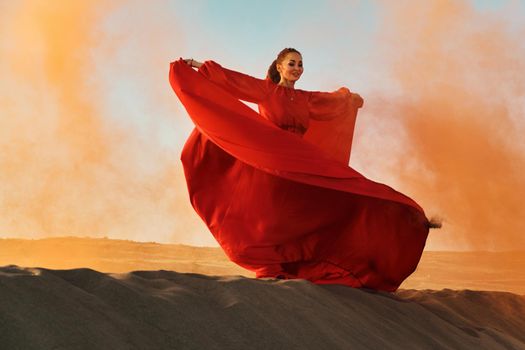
(344, 90)
(358, 100)
(188, 61)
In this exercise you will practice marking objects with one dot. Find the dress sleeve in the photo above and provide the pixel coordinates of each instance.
(324, 106)
(242, 86)
(333, 116)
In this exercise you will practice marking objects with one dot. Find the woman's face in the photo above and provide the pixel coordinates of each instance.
(291, 67)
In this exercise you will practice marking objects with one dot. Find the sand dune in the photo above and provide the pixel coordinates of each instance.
(86, 309)
(61, 302)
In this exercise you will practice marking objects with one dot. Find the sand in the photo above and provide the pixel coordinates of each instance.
(66, 307)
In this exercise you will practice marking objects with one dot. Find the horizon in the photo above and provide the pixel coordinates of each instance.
(218, 247)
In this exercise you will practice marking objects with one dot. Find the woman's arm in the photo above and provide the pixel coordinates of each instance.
(330, 105)
(241, 86)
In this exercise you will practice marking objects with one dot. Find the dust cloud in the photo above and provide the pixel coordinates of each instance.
(71, 162)
(460, 75)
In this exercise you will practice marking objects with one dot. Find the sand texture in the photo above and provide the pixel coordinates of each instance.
(86, 309)
(59, 303)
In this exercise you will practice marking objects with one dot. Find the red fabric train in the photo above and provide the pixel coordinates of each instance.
(275, 188)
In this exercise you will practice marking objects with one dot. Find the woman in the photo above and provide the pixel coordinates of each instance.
(275, 188)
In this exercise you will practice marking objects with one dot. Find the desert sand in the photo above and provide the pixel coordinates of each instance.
(155, 296)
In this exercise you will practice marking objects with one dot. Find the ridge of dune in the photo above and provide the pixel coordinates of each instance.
(85, 309)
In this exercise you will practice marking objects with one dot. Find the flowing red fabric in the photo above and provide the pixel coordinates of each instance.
(275, 188)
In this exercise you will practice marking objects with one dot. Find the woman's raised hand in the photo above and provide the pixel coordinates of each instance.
(192, 63)
(358, 100)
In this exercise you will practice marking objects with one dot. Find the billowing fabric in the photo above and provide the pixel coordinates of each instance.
(275, 188)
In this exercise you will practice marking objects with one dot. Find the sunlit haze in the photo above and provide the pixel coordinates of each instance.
(91, 132)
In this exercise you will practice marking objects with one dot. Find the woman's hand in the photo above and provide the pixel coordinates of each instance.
(357, 100)
(192, 63)
(344, 90)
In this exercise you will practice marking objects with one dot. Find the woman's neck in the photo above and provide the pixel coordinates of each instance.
(287, 83)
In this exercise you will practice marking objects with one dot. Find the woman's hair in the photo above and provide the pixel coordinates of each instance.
(273, 73)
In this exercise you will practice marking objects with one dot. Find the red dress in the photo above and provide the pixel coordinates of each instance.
(275, 188)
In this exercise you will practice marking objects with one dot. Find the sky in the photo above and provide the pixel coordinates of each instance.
(91, 132)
